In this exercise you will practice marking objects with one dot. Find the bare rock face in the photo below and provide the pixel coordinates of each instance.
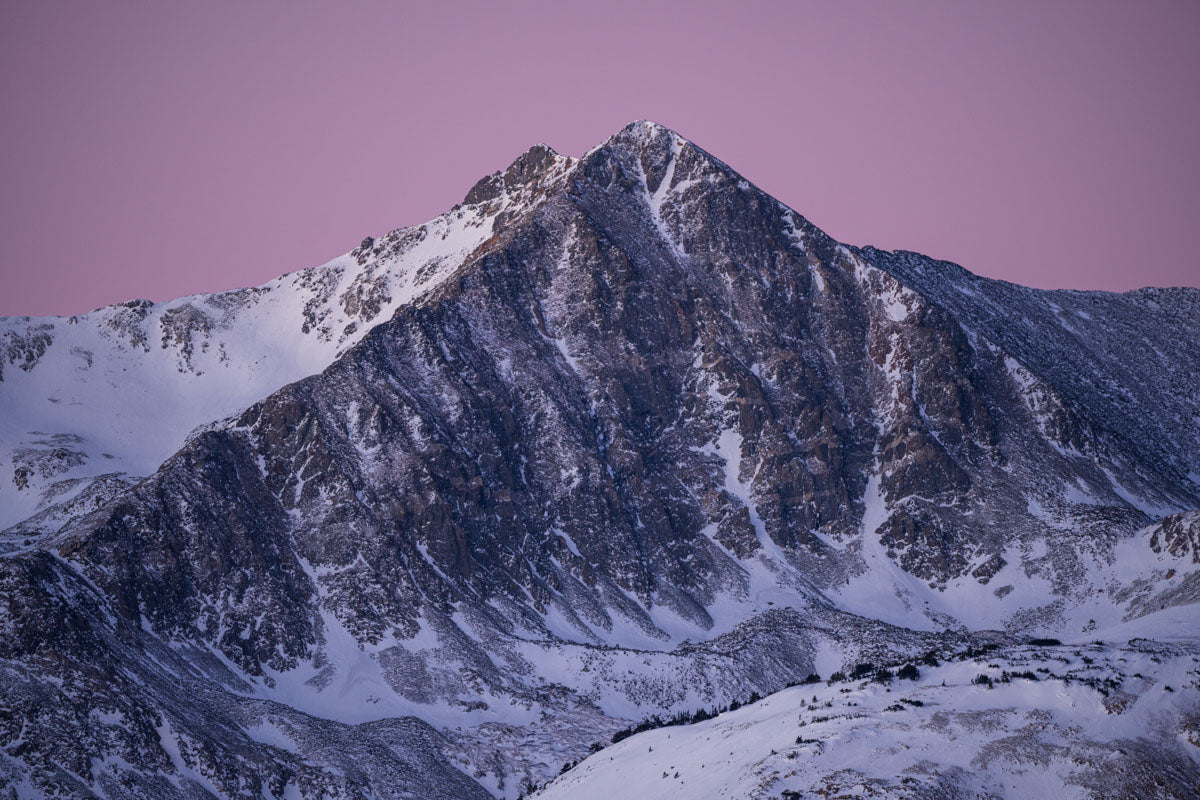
(1178, 535)
(652, 443)
(24, 349)
(187, 328)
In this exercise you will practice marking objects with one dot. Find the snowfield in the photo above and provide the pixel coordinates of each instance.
(1119, 720)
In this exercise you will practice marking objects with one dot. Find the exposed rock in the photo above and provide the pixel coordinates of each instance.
(1179, 535)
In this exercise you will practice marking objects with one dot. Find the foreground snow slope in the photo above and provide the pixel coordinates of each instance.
(1067, 722)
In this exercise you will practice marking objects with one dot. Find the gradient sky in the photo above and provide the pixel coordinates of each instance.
(155, 149)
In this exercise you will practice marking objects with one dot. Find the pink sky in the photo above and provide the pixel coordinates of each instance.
(158, 149)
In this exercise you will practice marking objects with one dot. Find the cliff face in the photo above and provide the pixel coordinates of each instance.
(653, 443)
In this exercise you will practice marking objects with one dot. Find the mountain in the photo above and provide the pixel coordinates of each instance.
(98, 401)
(619, 437)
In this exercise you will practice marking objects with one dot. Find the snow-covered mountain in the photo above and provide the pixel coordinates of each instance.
(95, 402)
(620, 436)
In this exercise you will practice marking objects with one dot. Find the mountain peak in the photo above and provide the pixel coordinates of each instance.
(529, 167)
(652, 147)
(648, 128)
(640, 135)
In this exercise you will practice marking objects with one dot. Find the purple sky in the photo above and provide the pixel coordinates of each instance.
(156, 149)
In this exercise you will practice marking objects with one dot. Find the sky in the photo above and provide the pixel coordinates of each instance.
(154, 150)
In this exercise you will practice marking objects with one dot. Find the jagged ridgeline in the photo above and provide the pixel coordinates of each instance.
(618, 439)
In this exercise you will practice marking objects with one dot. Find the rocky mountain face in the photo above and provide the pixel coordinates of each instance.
(620, 436)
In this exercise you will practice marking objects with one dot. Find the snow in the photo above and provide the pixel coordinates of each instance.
(883, 590)
(569, 541)
(729, 448)
(1174, 624)
(895, 298)
(818, 279)
(1080, 494)
(828, 659)
(1147, 507)
(132, 406)
(348, 683)
(1021, 376)
(895, 307)
(271, 732)
(169, 742)
(658, 197)
(857, 735)
(561, 344)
